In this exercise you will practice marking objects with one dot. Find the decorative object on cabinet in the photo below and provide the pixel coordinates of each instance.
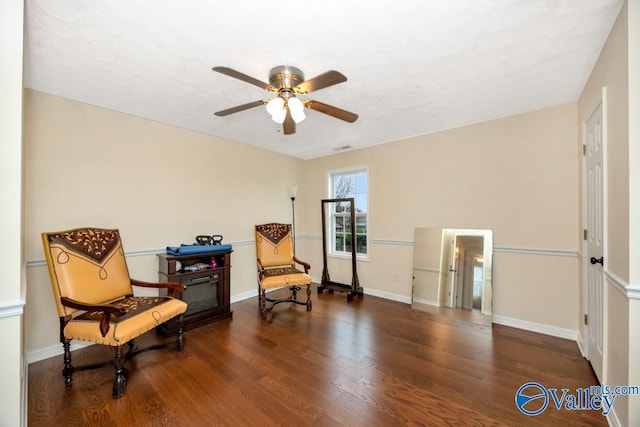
(206, 276)
(276, 267)
(216, 239)
(354, 288)
(95, 302)
(185, 249)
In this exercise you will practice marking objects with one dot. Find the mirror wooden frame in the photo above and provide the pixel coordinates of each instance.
(326, 283)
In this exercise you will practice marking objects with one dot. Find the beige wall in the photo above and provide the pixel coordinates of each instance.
(611, 71)
(618, 69)
(160, 185)
(524, 187)
(12, 372)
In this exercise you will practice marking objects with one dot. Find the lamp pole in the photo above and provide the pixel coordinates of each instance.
(292, 194)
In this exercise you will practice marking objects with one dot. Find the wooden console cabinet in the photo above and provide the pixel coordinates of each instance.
(207, 292)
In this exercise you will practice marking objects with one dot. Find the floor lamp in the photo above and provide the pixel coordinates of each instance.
(292, 193)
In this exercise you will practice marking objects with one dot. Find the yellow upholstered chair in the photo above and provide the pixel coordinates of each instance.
(95, 302)
(277, 266)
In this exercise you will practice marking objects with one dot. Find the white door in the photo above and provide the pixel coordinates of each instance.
(594, 295)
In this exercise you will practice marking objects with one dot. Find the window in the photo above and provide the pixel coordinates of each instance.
(344, 185)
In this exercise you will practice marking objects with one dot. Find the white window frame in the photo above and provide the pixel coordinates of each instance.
(331, 212)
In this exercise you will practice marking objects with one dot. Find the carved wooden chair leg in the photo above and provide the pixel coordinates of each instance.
(308, 297)
(263, 303)
(120, 380)
(180, 339)
(132, 346)
(68, 370)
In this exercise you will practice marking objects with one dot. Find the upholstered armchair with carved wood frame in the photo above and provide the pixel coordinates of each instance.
(277, 267)
(94, 298)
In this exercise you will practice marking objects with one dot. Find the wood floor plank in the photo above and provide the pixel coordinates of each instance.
(370, 362)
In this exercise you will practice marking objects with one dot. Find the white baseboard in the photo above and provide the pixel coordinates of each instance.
(425, 302)
(536, 327)
(387, 295)
(244, 295)
(53, 350)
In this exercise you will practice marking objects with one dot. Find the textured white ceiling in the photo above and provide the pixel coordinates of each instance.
(413, 66)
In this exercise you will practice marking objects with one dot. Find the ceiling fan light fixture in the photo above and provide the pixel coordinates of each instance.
(295, 105)
(279, 116)
(297, 109)
(298, 116)
(275, 106)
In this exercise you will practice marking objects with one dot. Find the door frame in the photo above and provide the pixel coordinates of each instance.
(584, 341)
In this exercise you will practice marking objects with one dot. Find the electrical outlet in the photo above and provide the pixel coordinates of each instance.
(396, 277)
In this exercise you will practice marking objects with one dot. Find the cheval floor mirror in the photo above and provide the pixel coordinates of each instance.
(354, 288)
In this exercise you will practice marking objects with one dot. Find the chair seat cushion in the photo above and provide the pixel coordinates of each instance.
(283, 276)
(143, 314)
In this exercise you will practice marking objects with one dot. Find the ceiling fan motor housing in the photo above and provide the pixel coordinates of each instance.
(285, 77)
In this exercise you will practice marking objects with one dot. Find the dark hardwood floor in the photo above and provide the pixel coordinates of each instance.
(371, 362)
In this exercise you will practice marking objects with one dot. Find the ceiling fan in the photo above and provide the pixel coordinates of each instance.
(288, 82)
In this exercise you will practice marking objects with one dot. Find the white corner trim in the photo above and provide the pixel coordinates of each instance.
(11, 308)
(429, 270)
(308, 237)
(580, 341)
(36, 263)
(243, 243)
(392, 242)
(613, 419)
(633, 291)
(619, 284)
(536, 251)
(536, 327)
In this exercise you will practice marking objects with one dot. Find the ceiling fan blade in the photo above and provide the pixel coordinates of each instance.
(327, 79)
(239, 108)
(289, 125)
(336, 112)
(245, 78)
